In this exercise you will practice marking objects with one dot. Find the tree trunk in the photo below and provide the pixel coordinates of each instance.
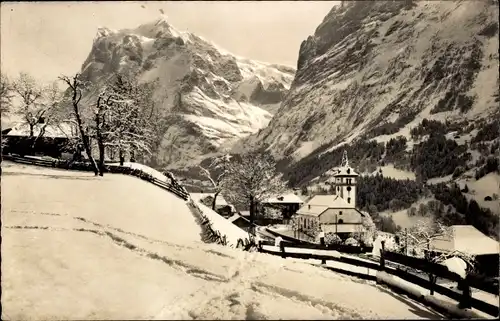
(100, 142)
(122, 157)
(252, 214)
(214, 201)
(86, 143)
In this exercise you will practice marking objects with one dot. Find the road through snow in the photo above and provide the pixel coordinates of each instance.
(77, 246)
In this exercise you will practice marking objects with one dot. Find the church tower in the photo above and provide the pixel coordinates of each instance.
(345, 182)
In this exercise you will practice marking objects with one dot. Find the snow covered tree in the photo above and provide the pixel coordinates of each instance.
(251, 179)
(312, 228)
(6, 94)
(130, 116)
(419, 238)
(75, 87)
(51, 105)
(219, 167)
(31, 94)
(366, 232)
(295, 224)
(332, 238)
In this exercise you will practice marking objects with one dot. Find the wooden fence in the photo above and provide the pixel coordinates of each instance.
(433, 270)
(175, 189)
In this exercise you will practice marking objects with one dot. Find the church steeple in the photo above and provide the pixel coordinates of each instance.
(345, 181)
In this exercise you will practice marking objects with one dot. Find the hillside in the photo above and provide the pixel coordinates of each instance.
(376, 69)
(207, 97)
(79, 247)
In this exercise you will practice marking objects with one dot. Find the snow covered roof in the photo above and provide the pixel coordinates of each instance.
(284, 199)
(245, 213)
(63, 130)
(466, 239)
(320, 203)
(220, 201)
(235, 217)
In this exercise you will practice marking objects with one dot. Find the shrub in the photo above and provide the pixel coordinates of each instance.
(351, 241)
(332, 238)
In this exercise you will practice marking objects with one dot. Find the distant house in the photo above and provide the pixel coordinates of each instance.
(336, 213)
(469, 240)
(53, 142)
(221, 205)
(240, 221)
(287, 204)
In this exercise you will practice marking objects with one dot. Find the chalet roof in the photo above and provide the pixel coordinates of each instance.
(236, 217)
(63, 130)
(284, 199)
(220, 201)
(466, 239)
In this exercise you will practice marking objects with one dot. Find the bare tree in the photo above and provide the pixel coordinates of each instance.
(251, 179)
(31, 94)
(6, 94)
(75, 85)
(217, 177)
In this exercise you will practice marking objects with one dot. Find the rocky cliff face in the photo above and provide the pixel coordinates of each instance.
(209, 98)
(375, 69)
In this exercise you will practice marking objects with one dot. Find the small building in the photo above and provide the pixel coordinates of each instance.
(54, 141)
(469, 240)
(336, 213)
(221, 205)
(241, 222)
(287, 204)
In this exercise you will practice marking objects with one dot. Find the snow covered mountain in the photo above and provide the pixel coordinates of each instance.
(209, 98)
(375, 69)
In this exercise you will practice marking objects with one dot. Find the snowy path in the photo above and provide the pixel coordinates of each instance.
(79, 247)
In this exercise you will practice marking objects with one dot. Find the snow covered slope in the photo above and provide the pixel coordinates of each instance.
(75, 246)
(209, 98)
(374, 64)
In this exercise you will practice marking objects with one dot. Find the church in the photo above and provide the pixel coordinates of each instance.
(336, 213)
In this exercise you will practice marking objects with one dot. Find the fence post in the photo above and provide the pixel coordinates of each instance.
(432, 280)
(282, 249)
(322, 242)
(466, 295)
(382, 258)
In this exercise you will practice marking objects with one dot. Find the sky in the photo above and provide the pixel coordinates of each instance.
(53, 38)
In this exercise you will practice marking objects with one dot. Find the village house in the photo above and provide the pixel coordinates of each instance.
(335, 213)
(221, 205)
(241, 222)
(53, 142)
(285, 205)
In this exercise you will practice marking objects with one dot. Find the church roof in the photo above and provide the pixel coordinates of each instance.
(320, 203)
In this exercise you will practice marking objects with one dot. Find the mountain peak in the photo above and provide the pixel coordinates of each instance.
(207, 96)
(162, 19)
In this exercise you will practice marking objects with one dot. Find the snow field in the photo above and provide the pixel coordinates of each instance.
(77, 246)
